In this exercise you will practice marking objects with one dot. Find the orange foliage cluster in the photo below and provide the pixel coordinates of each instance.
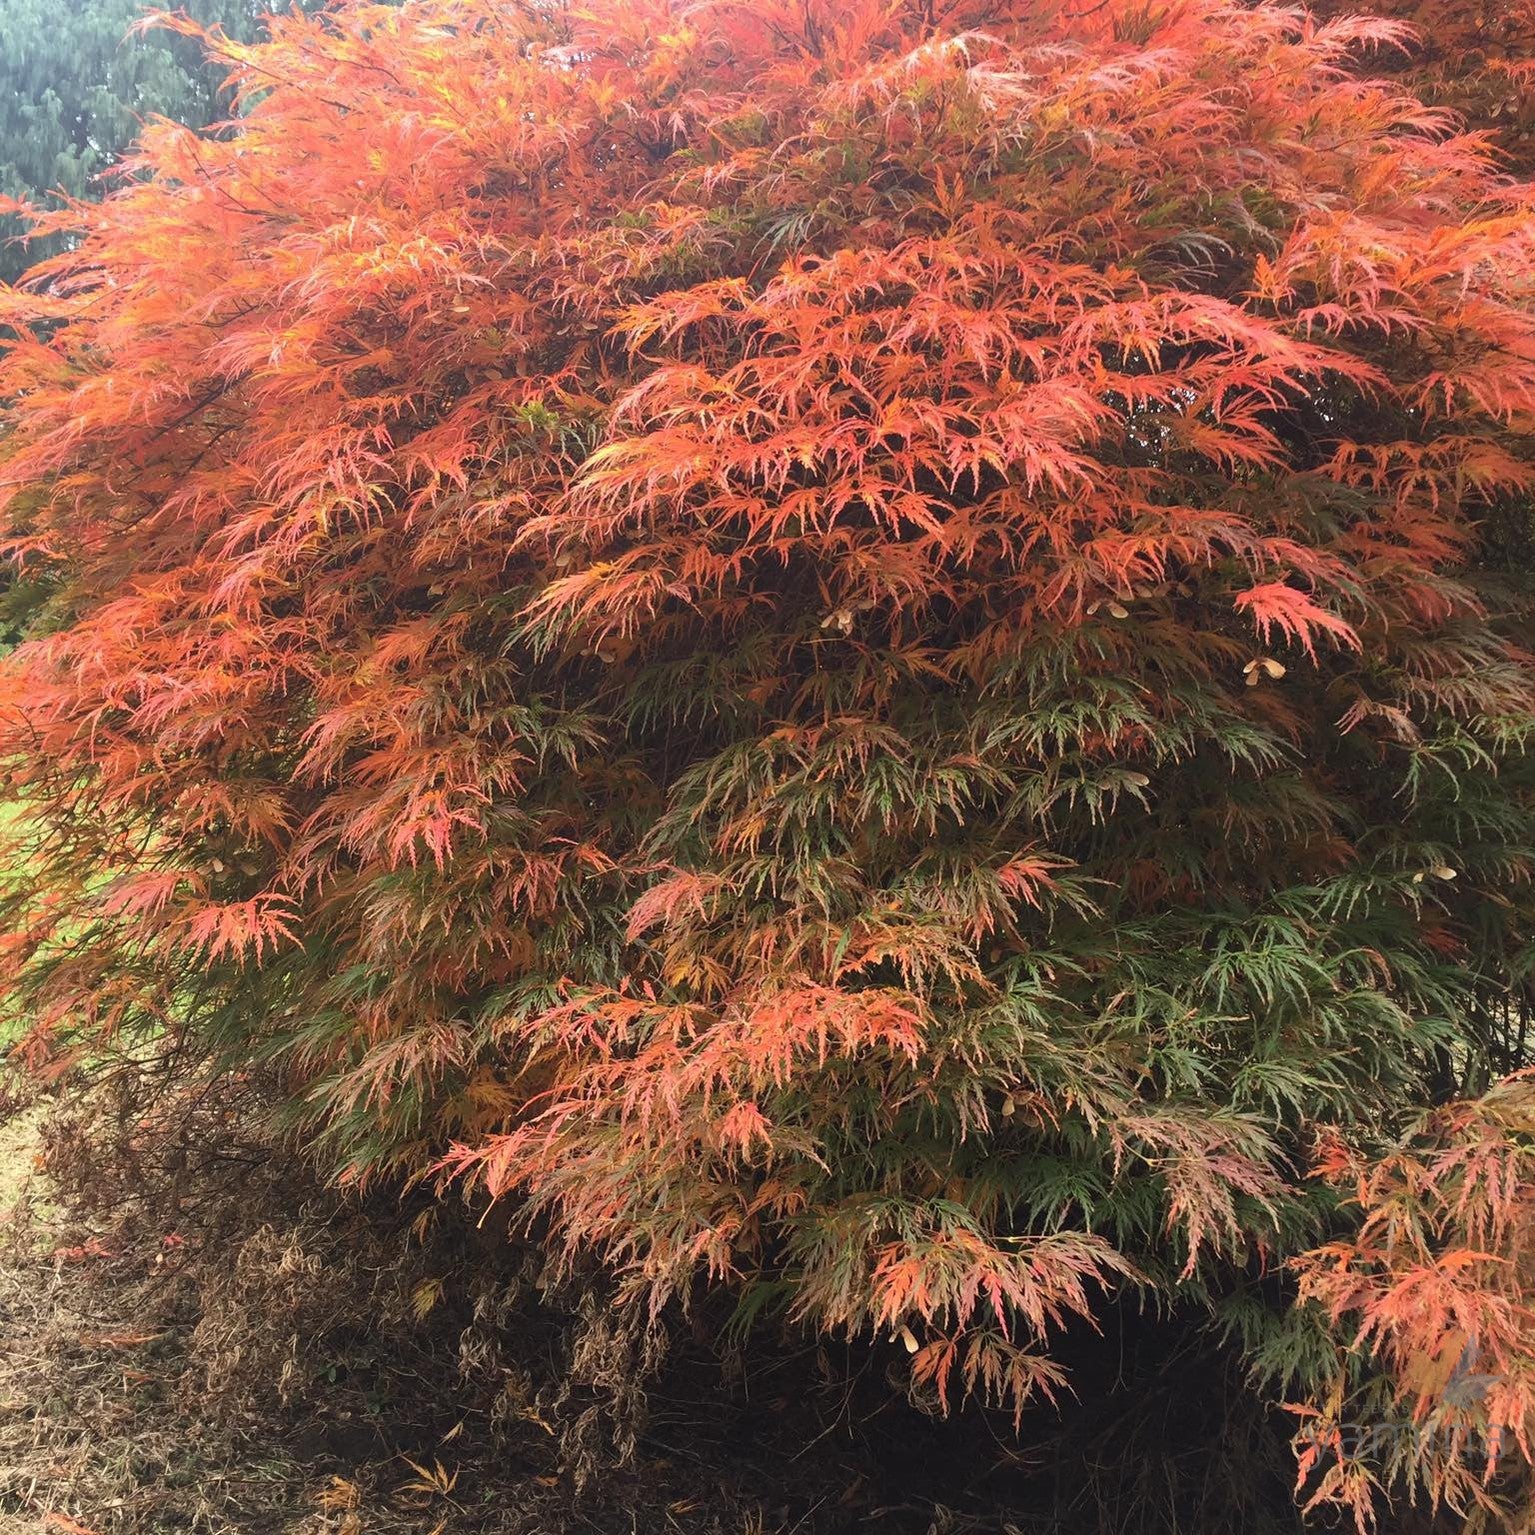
(841, 643)
(1440, 1276)
(1477, 57)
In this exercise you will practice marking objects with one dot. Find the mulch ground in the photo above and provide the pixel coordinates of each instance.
(295, 1376)
(198, 1343)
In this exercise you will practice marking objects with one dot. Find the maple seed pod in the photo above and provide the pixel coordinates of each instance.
(908, 1340)
(1442, 871)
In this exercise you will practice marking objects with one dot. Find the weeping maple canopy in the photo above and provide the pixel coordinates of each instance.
(843, 645)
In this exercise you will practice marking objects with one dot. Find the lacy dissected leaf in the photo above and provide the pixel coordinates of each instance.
(857, 650)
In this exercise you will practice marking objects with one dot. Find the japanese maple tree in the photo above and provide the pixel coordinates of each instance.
(844, 647)
(1474, 56)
